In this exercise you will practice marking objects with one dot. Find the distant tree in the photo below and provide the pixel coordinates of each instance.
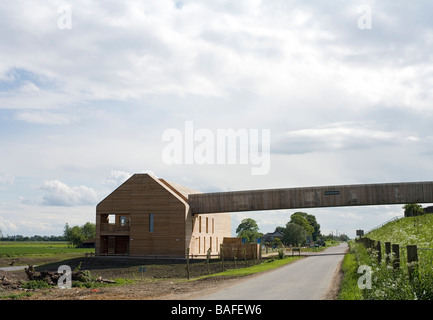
(300, 218)
(277, 243)
(249, 230)
(76, 235)
(343, 237)
(294, 234)
(316, 226)
(413, 209)
(89, 230)
(279, 229)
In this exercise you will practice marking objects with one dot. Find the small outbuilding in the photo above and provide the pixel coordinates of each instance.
(271, 236)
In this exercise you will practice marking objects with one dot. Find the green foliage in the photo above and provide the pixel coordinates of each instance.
(264, 266)
(349, 285)
(389, 283)
(249, 230)
(406, 231)
(300, 226)
(277, 243)
(293, 234)
(35, 284)
(300, 218)
(16, 296)
(281, 253)
(413, 210)
(76, 235)
(13, 249)
(88, 230)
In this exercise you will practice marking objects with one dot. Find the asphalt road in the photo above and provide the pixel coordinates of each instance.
(309, 278)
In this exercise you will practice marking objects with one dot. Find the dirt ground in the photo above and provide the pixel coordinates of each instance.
(161, 280)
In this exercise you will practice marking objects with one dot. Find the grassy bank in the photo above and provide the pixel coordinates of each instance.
(388, 283)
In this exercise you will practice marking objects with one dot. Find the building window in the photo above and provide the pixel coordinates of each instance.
(213, 225)
(207, 225)
(112, 218)
(199, 224)
(151, 222)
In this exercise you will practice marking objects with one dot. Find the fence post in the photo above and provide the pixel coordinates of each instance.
(412, 260)
(187, 262)
(396, 253)
(387, 252)
(222, 256)
(379, 252)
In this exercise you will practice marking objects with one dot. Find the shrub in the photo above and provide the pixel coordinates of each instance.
(281, 253)
(35, 284)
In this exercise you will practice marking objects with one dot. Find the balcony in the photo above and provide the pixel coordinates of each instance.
(112, 228)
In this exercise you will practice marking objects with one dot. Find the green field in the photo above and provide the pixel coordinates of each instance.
(17, 249)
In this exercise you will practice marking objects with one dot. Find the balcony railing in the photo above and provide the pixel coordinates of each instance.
(111, 227)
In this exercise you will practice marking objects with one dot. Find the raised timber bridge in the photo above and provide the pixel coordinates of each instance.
(312, 197)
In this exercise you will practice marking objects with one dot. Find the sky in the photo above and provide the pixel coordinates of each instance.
(324, 92)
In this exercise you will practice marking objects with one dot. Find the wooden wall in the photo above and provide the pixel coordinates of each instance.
(139, 198)
(213, 229)
(309, 197)
(174, 227)
(234, 246)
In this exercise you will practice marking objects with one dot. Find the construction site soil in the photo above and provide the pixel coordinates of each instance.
(158, 280)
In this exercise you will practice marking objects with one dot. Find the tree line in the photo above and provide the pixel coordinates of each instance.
(73, 235)
(300, 229)
(32, 238)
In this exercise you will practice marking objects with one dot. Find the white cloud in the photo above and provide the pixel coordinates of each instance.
(7, 226)
(60, 194)
(45, 117)
(329, 92)
(116, 178)
(340, 136)
(7, 179)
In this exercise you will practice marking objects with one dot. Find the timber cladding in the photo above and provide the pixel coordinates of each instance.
(309, 197)
(151, 218)
(233, 248)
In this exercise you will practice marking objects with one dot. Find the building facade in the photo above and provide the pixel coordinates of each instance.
(150, 217)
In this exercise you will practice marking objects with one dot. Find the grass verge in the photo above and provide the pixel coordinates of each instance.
(349, 289)
(242, 272)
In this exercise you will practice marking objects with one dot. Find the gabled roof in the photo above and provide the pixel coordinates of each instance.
(181, 191)
(177, 190)
(275, 234)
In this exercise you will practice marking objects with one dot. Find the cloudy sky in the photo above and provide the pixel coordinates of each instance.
(88, 89)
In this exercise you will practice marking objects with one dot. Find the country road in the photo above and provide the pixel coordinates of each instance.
(309, 278)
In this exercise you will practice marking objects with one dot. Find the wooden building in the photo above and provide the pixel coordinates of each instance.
(271, 236)
(150, 217)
